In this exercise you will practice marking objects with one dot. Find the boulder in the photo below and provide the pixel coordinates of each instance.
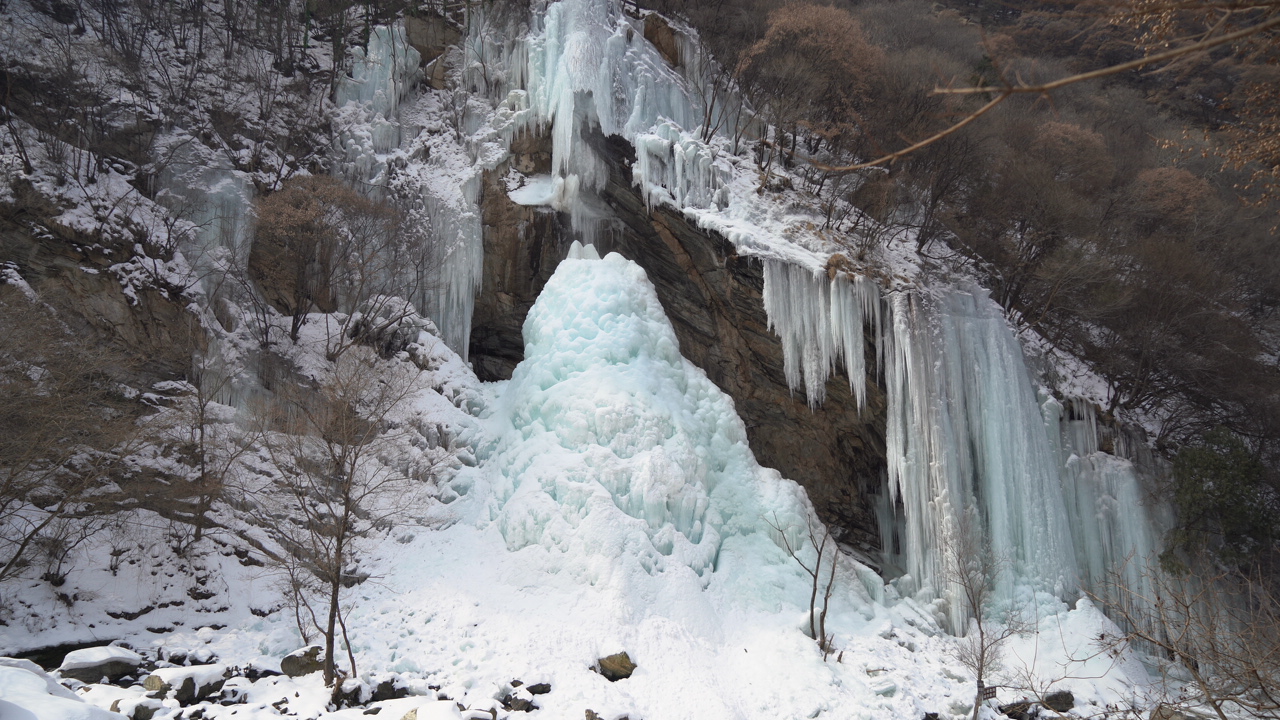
(90, 665)
(1060, 701)
(187, 685)
(1168, 712)
(1020, 710)
(615, 667)
(303, 662)
(142, 709)
(539, 689)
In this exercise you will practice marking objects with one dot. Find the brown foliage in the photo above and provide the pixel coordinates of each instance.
(321, 246)
(813, 67)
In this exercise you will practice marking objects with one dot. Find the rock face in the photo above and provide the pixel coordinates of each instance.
(72, 271)
(713, 297)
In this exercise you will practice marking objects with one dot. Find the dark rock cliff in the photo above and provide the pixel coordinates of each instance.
(713, 297)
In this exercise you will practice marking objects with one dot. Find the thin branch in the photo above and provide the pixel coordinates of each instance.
(1004, 92)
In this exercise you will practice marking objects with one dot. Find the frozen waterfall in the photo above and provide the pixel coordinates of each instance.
(966, 428)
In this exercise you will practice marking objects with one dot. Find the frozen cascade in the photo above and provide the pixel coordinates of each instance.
(1116, 532)
(964, 429)
(820, 322)
(607, 427)
(201, 186)
(373, 133)
(382, 75)
(589, 66)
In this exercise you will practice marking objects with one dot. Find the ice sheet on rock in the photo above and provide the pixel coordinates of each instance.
(618, 448)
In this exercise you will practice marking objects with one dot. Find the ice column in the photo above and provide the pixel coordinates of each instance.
(1115, 535)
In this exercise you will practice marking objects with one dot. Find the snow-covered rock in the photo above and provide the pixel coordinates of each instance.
(90, 665)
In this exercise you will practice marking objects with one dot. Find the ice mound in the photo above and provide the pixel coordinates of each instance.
(617, 448)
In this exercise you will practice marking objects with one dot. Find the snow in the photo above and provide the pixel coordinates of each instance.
(26, 694)
(92, 657)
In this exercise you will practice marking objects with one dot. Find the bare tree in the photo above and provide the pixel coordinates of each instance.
(63, 427)
(973, 569)
(335, 486)
(820, 540)
(1219, 629)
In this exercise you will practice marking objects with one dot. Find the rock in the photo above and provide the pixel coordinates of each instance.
(430, 35)
(1060, 701)
(931, 716)
(615, 667)
(303, 662)
(90, 665)
(663, 37)
(1020, 710)
(1168, 712)
(143, 709)
(591, 715)
(540, 689)
(517, 704)
(388, 690)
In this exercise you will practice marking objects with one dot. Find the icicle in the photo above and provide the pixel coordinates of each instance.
(820, 321)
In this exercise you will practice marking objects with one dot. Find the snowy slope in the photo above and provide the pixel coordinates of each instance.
(618, 508)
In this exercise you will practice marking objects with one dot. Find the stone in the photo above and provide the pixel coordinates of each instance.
(388, 690)
(303, 662)
(1020, 710)
(616, 667)
(540, 689)
(663, 37)
(517, 704)
(592, 715)
(143, 710)
(187, 685)
(1168, 712)
(1060, 701)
